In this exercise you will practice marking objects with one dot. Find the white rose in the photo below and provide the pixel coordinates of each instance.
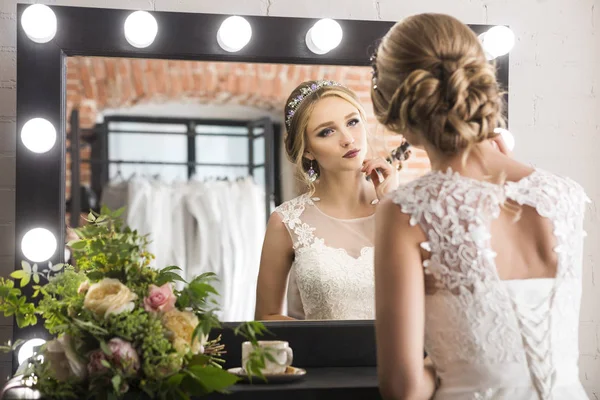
(109, 296)
(64, 361)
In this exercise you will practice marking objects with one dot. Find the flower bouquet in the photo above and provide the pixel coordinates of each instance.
(121, 329)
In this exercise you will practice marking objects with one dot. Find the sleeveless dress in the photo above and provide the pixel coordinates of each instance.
(331, 277)
(489, 338)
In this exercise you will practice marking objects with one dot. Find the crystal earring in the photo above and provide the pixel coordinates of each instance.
(312, 174)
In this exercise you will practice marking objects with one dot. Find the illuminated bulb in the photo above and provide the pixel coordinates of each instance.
(507, 137)
(38, 244)
(234, 34)
(140, 29)
(26, 350)
(38, 135)
(39, 23)
(497, 41)
(325, 35)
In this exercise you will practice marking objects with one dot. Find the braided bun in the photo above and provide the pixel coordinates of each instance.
(438, 85)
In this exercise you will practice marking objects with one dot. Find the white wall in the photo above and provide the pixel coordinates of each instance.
(554, 108)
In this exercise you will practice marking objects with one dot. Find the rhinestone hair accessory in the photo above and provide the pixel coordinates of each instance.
(373, 60)
(305, 92)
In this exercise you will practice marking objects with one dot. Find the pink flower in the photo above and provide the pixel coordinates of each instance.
(160, 298)
(95, 366)
(124, 355)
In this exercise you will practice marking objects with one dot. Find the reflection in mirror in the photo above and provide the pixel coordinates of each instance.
(195, 151)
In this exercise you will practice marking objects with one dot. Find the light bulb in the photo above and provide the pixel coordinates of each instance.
(39, 23)
(507, 137)
(235, 33)
(497, 41)
(38, 135)
(325, 35)
(38, 244)
(140, 29)
(27, 349)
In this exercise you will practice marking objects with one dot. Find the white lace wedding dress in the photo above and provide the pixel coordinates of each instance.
(332, 274)
(488, 338)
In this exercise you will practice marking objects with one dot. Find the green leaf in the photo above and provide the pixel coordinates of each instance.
(56, 267)
(199, 359)
(36, 278)
(105, 363)
(95, 275)
(26, 266)
(118, 213)
(175, 380)
(213, 379)
(168, 277)
(90, 327)
(77, 244)
(25, 280)
(18, 274)
(170, 268)
(105, 348)
(116, 382)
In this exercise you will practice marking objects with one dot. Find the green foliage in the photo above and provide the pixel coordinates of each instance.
(107, 249)
(258, 357)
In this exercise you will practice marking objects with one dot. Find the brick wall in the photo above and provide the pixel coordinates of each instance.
(95, 84)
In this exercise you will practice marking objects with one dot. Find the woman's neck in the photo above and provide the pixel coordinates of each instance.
(480, 160)
(347, 191)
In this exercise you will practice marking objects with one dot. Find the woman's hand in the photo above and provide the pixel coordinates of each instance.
(389, 173)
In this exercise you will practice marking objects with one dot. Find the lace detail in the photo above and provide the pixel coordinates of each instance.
(501, 330)
(332, 283)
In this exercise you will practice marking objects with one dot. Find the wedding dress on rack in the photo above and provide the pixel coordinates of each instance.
(201, 226)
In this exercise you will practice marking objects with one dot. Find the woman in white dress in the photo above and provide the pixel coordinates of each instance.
(479, 261)
(322, 241)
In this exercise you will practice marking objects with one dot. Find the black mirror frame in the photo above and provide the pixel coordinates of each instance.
(41, 90)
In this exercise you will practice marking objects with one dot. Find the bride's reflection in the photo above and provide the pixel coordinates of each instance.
(196, 153)
(323, 239)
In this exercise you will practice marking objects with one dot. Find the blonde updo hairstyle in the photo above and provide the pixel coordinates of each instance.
(432, 79)
(295, 139)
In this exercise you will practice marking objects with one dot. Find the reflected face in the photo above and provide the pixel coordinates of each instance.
(336, 135)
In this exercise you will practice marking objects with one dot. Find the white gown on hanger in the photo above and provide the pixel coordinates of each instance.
(333, 262)
(488, 338)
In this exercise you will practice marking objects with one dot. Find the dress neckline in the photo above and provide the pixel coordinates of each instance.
(359, 219)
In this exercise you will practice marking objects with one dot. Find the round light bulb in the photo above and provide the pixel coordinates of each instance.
(38, 135)
(497, 41)
(234, 34)
(140, 29)
(325, 35)
(27, 349)
(507, 137)
(39, 23)
(38, 244)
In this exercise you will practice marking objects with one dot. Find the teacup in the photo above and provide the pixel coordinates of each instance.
(280, 351)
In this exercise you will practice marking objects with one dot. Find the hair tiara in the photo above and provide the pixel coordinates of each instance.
(305, 92)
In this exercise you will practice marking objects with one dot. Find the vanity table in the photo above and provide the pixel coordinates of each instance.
(339, 360)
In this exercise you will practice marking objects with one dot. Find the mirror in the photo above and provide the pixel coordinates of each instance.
(194, 151)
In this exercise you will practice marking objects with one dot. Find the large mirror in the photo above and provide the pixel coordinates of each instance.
(194, 151)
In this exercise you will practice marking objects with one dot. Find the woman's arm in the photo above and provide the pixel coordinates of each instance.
(400, 308)
(275, 263)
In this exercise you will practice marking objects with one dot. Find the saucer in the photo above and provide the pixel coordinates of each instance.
(291, 374)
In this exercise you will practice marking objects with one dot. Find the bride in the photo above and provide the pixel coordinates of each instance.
(480, 260)
(322, 241)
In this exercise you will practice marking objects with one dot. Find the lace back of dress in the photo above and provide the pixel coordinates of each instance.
(456, 213)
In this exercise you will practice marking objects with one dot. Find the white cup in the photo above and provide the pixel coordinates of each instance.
(280, 350)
